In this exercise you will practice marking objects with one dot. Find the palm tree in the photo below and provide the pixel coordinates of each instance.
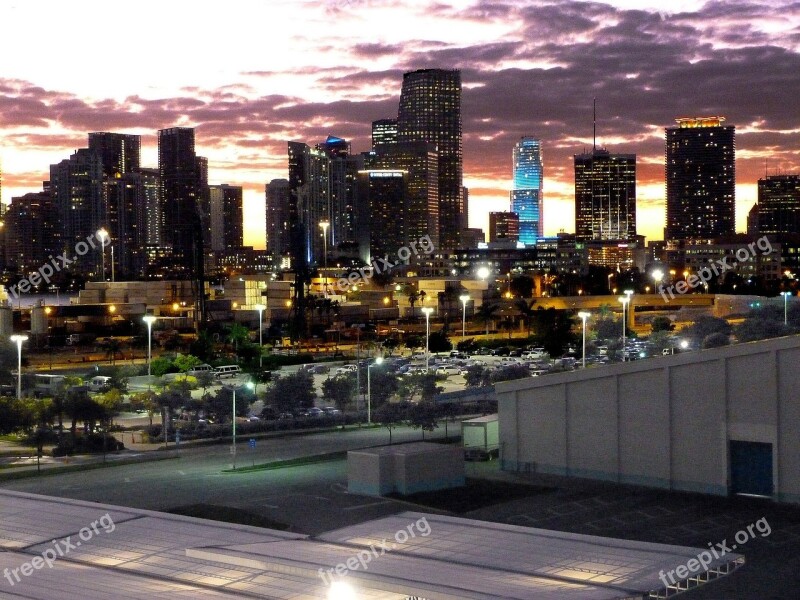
(237, 333)
(112, 349)
(486, 312)
(525, 309)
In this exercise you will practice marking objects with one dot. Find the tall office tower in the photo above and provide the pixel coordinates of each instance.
(227, 217)
(119, 152)
(526, 195)
(504, 226)
(605, 196)
(418, 216)
(384, 131)
(153, 206)
(700, 166)
(752, 220)
(309, 202)
(181, 197)
(203, 200)
(430, 111)
(343, 170)
(32, 231)
(383, 197)
(277, 196)
(778, 207)
(76, 184)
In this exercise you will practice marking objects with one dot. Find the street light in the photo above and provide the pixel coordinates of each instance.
(19, 339)
(248, 385)
(325, 225)
(102, 234)
(584, 315)
(378, 360)
(464, 299)
(427, 310)
(658, 276)
(149, 319)
(260, 308)
(624, 300)
(785, 306)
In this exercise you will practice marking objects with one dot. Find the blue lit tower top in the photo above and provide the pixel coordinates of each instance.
(526, 194)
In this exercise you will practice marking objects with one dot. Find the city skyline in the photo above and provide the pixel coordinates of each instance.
(527, 69)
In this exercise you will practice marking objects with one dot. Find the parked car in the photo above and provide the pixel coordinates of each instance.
(346, 369)
(318, 369)
(100, 383)
(331, 411)
(448, 370)
(501, 351)
(314, 412)
(483, 352)
(227, 371)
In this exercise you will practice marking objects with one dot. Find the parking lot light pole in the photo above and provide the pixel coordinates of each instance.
(785, 306)
(427, 310)
(149, 319)
(260, 308)
(584, 315)
(378, 360)
(464, 299)
(19, 339)
(624, 300)
(248, 385)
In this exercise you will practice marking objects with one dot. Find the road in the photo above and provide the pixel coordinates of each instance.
(310, 498)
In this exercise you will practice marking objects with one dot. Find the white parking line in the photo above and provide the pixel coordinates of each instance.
(371, 504)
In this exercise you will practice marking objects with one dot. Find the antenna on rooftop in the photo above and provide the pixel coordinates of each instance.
(594, 124)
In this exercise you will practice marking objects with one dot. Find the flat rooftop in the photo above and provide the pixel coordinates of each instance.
(114, 552)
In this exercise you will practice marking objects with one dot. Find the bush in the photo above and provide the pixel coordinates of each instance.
(87, 444)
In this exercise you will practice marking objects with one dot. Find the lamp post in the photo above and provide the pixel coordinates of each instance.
(785, 307)
(149, 319)
(102, 234)
(325, 225)
(464, 299)
(260, 308)
(112, 264)
(248, 385)
(378, 360)
(19, 339)
(624, 300)
(658, 276)
(584, 315)
(427, 310)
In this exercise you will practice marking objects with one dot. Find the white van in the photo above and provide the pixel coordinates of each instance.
(197, 369)
(227, 371)
(100, 383)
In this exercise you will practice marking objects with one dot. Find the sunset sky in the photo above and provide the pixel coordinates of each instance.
(250, 75)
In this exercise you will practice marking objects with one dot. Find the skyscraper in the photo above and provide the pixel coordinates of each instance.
(384, 131)
(778, 208)
(526, 195)
(119, 152)
(180, 193)
(700, 165)
(226, 218)
(77, 187)
(343, 169)
(504, 226)
(605, 196)
(309, 202)
(32, 231)
(277, 196)
(384, 194)
(430, 111)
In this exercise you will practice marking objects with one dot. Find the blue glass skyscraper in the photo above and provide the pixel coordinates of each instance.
(526, 195)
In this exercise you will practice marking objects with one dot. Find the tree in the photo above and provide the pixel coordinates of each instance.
(415, 341)
(184, 362)
(662, 323)
(706, 325)
(161, 366)
(420, 386)
(509, 373)
(391, 414)
(716, 340)
(556, 326)
(525, 309)
(112, 348)
(659, 341)
(205, 379)
(203, 347)
(339, 390)
(608, 328)
(475, 375)
(754, 328)
(486, 313)
(438, 342)
(423, 415)
(237, 333)
(391, 344)
(383, 384)
(292, 393)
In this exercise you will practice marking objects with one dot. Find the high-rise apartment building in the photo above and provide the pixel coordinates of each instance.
(119, 152)
(226, 217)
(277, 197)
(309, 202)
(181, 195)
(384, 131)
(700, 166)
(384, 195)
(605, 196)
(31, 231)
(504, 226)
(526, 195)
(77, 187)
(430, 112)
(779, 204)
(343, 169)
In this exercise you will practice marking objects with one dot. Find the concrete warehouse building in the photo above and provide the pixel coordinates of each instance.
(719, 421)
